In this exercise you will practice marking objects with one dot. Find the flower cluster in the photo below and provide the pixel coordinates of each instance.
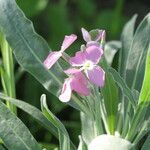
(84, 64)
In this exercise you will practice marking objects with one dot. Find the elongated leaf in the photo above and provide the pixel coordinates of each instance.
(14, 133)
(142, 131)
(110, 93)
(126, 38)
(63, 134)
(146, 145)
(137, 121)
(137, 54)
(125, 89)
(82, 145)
(87, 128)
(35, 113)
(110, 50)
(30, 49)
(145, 92)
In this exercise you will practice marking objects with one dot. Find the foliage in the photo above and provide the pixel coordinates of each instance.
(120, 108)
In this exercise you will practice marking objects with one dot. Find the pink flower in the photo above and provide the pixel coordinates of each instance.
(54, 56)
(77, 82)
(87, 37)
(87, 60)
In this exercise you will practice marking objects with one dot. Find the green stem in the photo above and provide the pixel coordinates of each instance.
(127, 121)
(120, 117)
(81, 105)
(104, 117)
(98, 117)
(8, 79)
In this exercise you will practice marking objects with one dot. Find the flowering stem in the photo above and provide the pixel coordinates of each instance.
(104, 117)
(81, 105)
(120, 117)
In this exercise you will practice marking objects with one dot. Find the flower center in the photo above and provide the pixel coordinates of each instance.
(88, 65)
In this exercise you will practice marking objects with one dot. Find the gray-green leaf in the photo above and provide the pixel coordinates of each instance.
(146, 145)
(31, 49)
(14, 133)
(64, 140)
(126, 38)
(137, 54)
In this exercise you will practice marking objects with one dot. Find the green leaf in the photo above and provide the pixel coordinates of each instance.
(88, 128)
(110, 94)
(142, 131)
(14, 133)
(124, 88)
(145, 91)
(137, 55)
(48, 146)
(63, 134)
(82, 145)
(34, 112)
(126, 38)
(110, 50)
(137, 121)
(31, 49)
(146, 145)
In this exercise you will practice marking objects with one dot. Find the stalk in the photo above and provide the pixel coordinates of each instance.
(7, 72)
(98, 120)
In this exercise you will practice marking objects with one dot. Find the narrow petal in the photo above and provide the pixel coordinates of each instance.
(52, 59)
(78, 59)
(80, 84)
(94, 53)
(66, 91)
(86, 35)
(68, 40)
(96, 76)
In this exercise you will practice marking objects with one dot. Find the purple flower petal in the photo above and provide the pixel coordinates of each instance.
(86, 35)
(66, 91)
(52, 59)
(80, 84)
(68, 40)
(94, 53)
(96, 76)
(78, 59)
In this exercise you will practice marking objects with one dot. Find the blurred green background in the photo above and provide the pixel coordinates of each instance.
(53, 19)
